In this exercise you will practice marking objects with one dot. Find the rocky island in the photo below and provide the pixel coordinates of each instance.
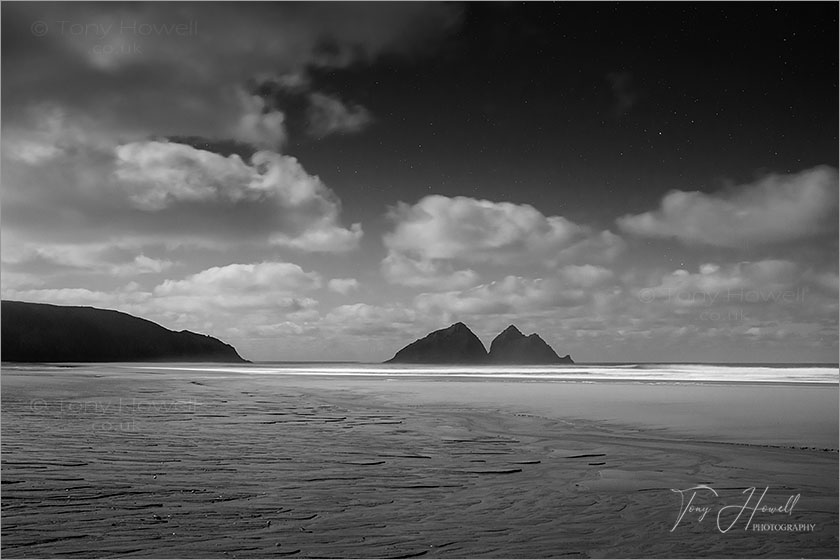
(457, 344)
(39, 332)
(513, 347)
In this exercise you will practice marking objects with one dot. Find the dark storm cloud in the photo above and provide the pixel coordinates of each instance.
(104, 58)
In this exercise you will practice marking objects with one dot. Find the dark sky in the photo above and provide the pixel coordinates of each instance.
(635, 181)
(605, 106)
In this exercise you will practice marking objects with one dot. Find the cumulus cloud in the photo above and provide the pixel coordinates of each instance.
(774, 209)
(157, 175)
(745, 282)
(368, 320)
(47, 260)
(232, 299)
(172, 192)
(419, 272)
(430, 237)
(262, 286)
(235, 287)
(751, 301)
(239, 278)
(343, 285)
(50, 134)
(330, 115)
(260, 125)
(160, 175)
(440, 227)
(572, 286)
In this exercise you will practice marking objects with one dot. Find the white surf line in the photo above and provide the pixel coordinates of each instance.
(579, 375)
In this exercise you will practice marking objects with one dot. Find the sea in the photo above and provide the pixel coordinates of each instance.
(581, 373)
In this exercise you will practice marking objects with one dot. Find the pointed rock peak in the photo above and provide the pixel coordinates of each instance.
(510, 333)
(454, 344)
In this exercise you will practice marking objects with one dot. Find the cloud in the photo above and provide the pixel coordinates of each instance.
(439, 227)
(432, 236)
(420, 272)
(259, 126)
(329, 115)
(298, 81)
(279, 277)
(32, 152)
(80, 170)
(362, 319)
(141, 265)
(123, 299)
(747, 301)
(571, 287)
(343, 285)
(48, 260)
(585, 276)
(148, 191)
(621, 84)
(214, 300)
(313, 112)
(158, 175)
(745, 282)
(774, 209)
(267, 285)
(49, 134)
(163, 175)
(187, 78)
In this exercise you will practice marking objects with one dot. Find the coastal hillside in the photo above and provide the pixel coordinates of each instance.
(38, 332)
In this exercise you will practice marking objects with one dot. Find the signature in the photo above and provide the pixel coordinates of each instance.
(689, 506)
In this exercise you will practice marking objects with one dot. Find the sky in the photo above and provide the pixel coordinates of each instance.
(331, 181)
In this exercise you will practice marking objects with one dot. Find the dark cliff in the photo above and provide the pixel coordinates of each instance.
(37, 332)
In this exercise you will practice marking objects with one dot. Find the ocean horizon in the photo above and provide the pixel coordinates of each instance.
(828, 374)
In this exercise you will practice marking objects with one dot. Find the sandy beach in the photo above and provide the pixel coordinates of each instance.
(118, 461)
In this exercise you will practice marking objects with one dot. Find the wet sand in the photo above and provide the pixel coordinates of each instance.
(114, 462)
